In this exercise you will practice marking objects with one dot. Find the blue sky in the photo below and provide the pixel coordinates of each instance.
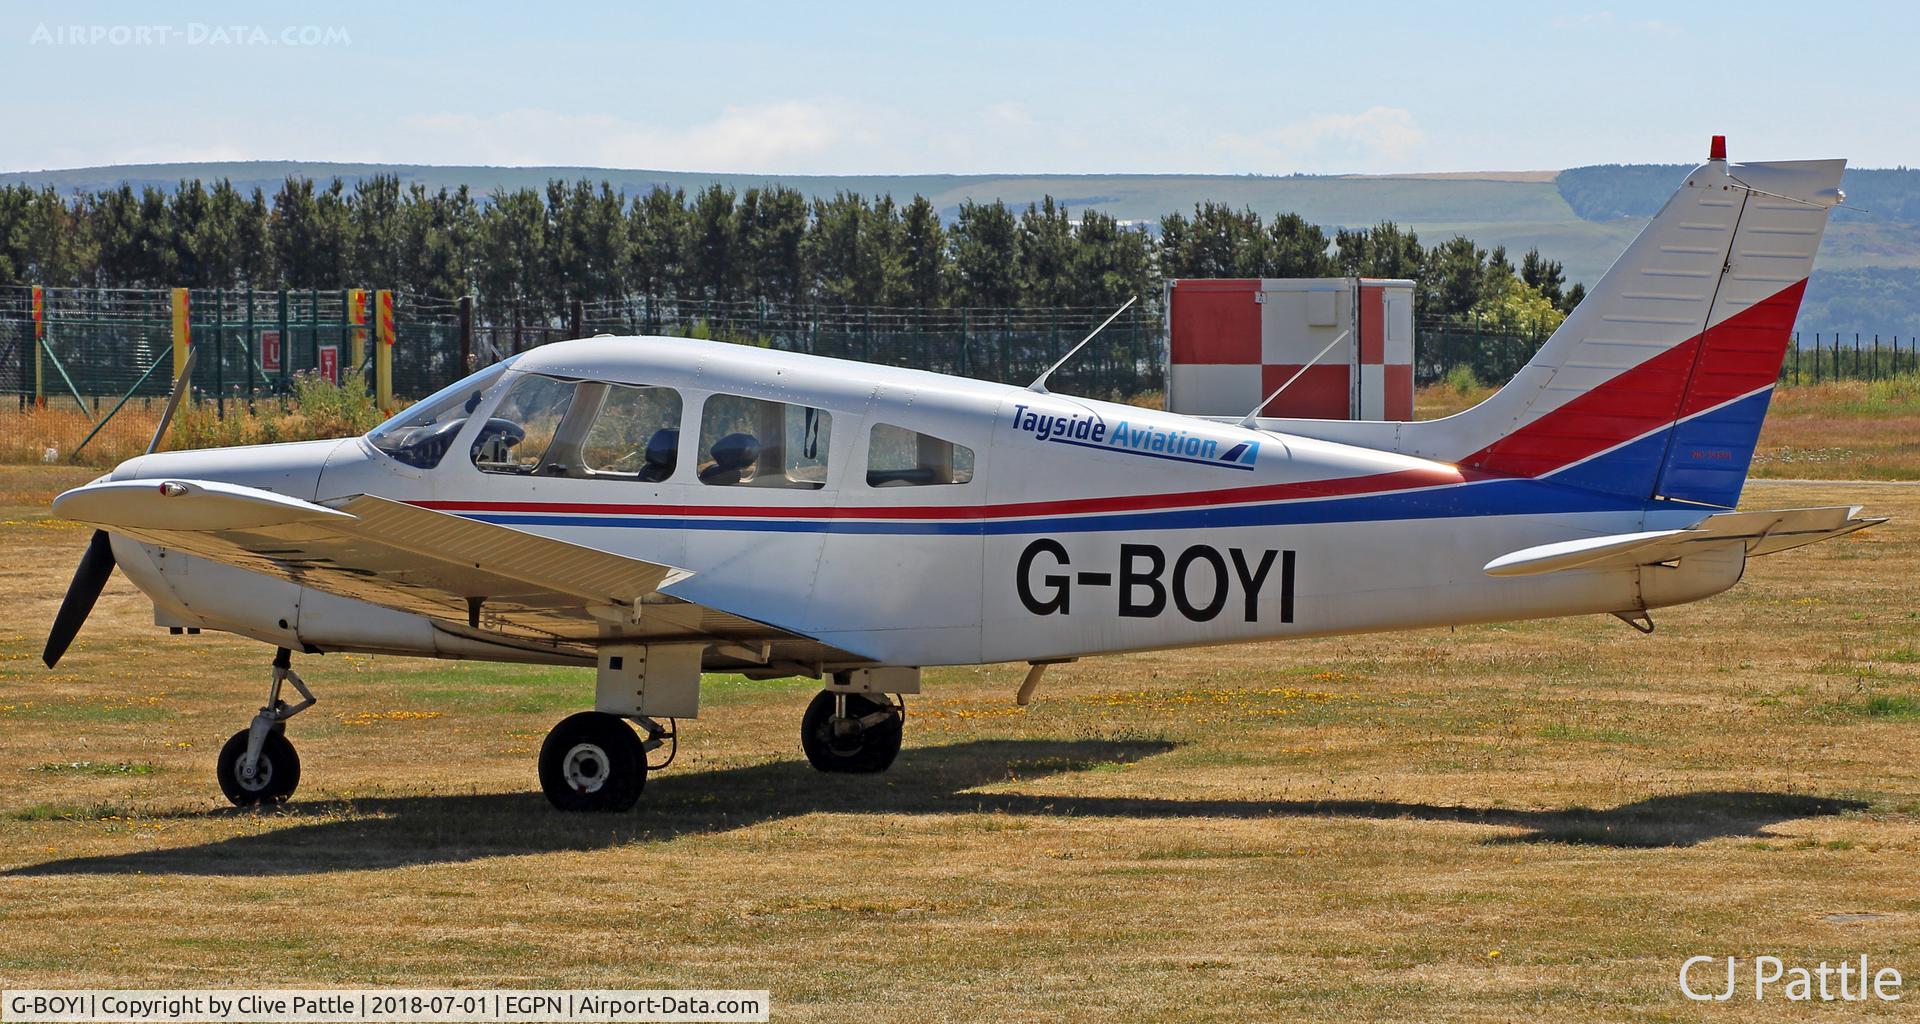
(906, 87)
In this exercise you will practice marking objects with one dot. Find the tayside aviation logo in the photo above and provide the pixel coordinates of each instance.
(1086, 430)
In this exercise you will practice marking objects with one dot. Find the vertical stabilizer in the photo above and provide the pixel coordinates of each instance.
(1656, 384)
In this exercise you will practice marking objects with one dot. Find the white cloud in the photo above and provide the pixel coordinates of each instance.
(1377, 138)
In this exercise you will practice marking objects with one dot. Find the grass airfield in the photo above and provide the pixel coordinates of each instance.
(1527, 821)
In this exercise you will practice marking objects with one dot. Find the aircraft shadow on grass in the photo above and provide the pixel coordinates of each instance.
(386, 832)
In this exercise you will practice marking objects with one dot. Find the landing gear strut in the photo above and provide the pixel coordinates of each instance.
(852, 732)
(258, 765)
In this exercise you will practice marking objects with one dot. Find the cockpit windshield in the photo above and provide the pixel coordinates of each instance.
(422, 433)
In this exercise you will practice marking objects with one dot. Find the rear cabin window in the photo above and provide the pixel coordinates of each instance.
(751, 442)
(898, 457)
(545, 426)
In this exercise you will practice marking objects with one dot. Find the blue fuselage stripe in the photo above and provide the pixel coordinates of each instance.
(1151, 455)
(1484, 498)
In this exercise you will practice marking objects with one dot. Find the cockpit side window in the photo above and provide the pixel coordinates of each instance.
(583, 429)
(751, 442)
(423, 433)
(636, 435)
(898, 457)
(528, 428)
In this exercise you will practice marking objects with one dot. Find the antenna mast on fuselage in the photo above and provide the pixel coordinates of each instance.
(1039, 385)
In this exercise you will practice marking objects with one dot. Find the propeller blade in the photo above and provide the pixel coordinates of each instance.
(88, 580)
(97, 564)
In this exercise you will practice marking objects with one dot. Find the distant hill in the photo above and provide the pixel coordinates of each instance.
(1583, 216)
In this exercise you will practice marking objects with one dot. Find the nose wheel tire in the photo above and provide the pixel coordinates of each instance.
(593, 761)
(275, 775)
(866, 739)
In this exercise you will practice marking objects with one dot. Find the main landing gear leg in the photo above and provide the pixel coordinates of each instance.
(853, 732)
(258, 765)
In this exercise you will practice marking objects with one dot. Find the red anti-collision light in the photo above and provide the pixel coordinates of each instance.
(1719, 149)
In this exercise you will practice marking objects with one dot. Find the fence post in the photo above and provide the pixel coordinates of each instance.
(249, 346)
(39, 343)
(466, 335)
(576, 318)
(383, 351)
(965, 340)
(357, 331)
(182, 335)
(220, 353)
(284, 345)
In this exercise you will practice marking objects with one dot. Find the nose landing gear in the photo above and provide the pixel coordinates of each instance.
(258, 764)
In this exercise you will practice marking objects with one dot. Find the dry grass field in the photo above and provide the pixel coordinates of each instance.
(1535, 821)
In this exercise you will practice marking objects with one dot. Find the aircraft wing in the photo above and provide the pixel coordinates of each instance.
(1763, 532)
(468, 575)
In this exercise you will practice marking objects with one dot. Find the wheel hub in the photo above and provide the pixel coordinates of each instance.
(585, 768)
(259, 779)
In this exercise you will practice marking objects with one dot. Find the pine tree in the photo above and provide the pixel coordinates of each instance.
(982, 241)
(1296, 248)
(656, 234)
(1044, 251)
(923, 255)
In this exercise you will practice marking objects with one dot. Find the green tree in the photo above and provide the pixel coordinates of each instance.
(714, 270)
(512, 275)
(588, 241)
(1548, 277)
(773, 228)
(923, 255)
(52, 245)
(1044, 255)
(1111, 262)
(984, 253)
(153, 234)
(1295, 248)
(378, 230)
(1224, 242)
(1454, 278)
(224, 236)
(657, 229)
(310, 233)
(439, 232)
(841, 252)
(1385, 250)
(253, 251)
(193, 239)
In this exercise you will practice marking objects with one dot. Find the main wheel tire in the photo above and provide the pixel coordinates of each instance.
(869, 750)
(593, 761)
(276, 774)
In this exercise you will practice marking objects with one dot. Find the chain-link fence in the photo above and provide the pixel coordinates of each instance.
(88, 369)
(1006, 345)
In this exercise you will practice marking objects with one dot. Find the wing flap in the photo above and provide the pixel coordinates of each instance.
(1763, 532)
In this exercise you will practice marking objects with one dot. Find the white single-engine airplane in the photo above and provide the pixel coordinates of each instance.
(662, 507)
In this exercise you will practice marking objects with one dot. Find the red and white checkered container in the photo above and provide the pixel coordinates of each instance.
(1232, 341)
